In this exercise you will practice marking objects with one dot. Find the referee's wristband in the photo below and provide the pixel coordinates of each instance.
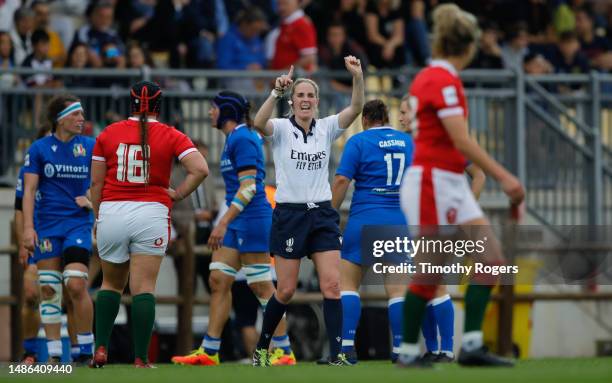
(276, 93)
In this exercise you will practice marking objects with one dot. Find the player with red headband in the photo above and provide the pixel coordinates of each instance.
(131, 197)
(435, 191)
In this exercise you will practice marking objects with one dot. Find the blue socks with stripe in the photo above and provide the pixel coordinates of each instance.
(211, 345)
(282, 342)
(396, 312)
(439, 316)
(351, 312)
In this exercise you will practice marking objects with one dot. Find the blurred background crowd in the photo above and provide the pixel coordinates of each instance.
(540, 36)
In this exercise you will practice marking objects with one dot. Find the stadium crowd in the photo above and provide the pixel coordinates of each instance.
(543, 36)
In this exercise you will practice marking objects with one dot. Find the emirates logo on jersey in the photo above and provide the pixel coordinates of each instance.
(451, 215)
(158, 242)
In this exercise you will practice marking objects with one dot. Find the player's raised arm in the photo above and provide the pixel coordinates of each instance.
(262, 118)
(350, 113)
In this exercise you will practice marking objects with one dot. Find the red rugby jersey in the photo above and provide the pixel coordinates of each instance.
(436, 93)
(296, 37)
(119, 147)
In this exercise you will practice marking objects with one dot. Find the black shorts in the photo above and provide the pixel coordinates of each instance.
(298, 230)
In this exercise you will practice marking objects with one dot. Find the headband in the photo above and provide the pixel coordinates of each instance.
(68, 110)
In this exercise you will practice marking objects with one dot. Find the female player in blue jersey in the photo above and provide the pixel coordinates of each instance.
(241, 238)
(376, 159)
(57, 174)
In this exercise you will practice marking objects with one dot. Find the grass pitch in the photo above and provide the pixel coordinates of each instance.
(584, 370)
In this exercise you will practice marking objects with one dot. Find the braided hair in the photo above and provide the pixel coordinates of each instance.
(145, 99)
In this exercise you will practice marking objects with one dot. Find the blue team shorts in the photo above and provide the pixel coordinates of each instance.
(351, 245)
(249, 235)
(54, 246)
(299, 230)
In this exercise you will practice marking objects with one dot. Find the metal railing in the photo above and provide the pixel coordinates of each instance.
(554, 131)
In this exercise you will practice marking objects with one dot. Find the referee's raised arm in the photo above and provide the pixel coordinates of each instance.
(350, 113)
(262, 118)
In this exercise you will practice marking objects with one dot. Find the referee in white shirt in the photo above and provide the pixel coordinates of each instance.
(303, 222)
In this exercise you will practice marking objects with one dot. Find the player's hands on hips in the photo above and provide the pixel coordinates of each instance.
(353, 65)
(83, 202)
(30, 239)
(513, 189)
(284, 82)
(215, 241)
(174, 196)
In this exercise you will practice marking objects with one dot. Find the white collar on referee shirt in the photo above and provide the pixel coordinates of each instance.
(444, 64)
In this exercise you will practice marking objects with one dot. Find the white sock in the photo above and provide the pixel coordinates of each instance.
(471, 340)
(408, 352)
(54, 348)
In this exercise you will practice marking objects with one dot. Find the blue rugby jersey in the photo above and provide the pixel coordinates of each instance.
(244, 150)
(64, 170)
(376, 159)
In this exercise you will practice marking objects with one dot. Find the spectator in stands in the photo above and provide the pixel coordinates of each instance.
(7, 80)
(198, 23)
(516, 46)
(57, 52)
(242, 48)
(112, 56)
(417, 40)
(132, 15)
(331, 56)
(294, 41)
(39, 59)
(66, 17)
(233, 7)
(21, 34)
(385, 32)
(138, 56)
(105, 46)
(7, 10)
(78, 58)
(568, 58)
(598, 49)
(489, 55)
(536, 64)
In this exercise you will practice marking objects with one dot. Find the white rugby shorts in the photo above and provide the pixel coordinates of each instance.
(432, 196)
(127, 227)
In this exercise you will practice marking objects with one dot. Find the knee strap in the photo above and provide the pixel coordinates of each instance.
(224, 268)
(74, 274)
(51, 308)
(257, 272)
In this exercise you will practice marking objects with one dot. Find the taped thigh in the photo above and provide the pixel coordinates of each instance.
(51, 308)
(224, 268)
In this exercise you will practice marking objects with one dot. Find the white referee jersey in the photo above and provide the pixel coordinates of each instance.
(301, 161)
